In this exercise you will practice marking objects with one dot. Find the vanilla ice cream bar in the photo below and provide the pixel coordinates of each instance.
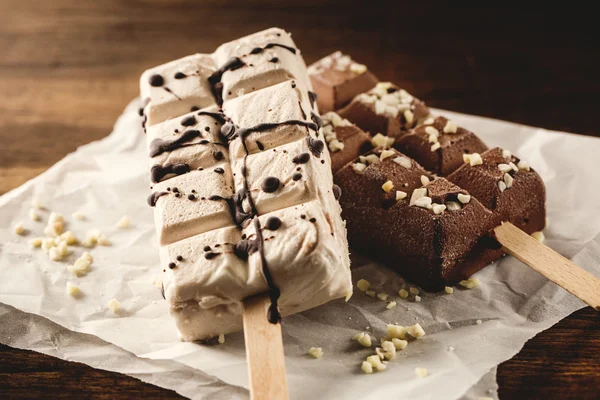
(243, 193)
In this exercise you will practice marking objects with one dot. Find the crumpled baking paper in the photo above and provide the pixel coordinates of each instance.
(108, 179)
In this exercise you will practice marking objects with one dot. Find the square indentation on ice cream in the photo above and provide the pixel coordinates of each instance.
(204, 278)
(265, 59)
(506, 185)
(301, 248)
(439, 144)
(385, 109)
(176, 88)
(284, 176)
(345, 140)
(270, 117)
(186, 143)
(337, 78)
(193, 203)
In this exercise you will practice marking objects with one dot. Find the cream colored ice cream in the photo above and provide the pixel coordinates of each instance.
(262, 217)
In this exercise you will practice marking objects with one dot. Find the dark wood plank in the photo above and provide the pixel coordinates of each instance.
(68, 68)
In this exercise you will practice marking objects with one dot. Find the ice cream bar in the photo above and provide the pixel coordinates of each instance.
(385, 109)
(430, 230)
(337, 78)
(243, 192)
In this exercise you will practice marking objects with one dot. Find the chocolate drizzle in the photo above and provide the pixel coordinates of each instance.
(312, 97)
(258, 50)
(153, 198)
(157, 172)
(159, 146)
(316, 119)
(188, 121)
(215, 79)
(230, 131)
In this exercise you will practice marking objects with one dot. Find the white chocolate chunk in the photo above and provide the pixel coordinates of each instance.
(424, 180)
(409, 116)
(380, 140)
(385, 154)
(470, 283)
(316, 352)
(399, 344)
(417, 298)
(221, 338)
(124, 222)
(403, 293)
(364, 339)
(403, 161)
(396, 331)
(438, 208)
(414, 290)
(114, 305)
(33, 215)
(382, 296)
(363, 285)
(424, 202)
(390, 305)
(358, 68)
(366, 367)
(400, 195)
(429, 121)
(453, 206)
(359, 167)
(19, 229)
(506, 154)
(464, 198)
(416, 331)
(73, 290)
(376, 363)
(421, 372)
(539, 236)
(523, 166)
(78, 215)
(389, 350)
(387, 186)
(35, 203)
(450, 127)
(435, 146)
(36, 242)
(68, 237)
(431, 131)
(371, 293)
(417, 194)
(473, 159)
(501, 186)
(449, 290)
(81, 265)
(504, 167)
(508, 180)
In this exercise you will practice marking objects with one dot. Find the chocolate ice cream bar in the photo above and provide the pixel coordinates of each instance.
(385, 109)
(345, 140)
(432, 231)
(438, 144)
(337, 79)
(263, 216)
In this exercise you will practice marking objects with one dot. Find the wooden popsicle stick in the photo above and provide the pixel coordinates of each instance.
(549, 263)
(264, 351)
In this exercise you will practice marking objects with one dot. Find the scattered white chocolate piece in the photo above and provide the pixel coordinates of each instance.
(33, 215)
(396, 331)
(470, 283)
(400, 195)
(19, 229)
(438, 208)
(382, 296)
(417, 194)
(424, 202)
(364, 339)
(453, 206)
(399, 344)
(389, 350)
(114, 305)
(409, 116)
(72, 289)
(35, 203)
(508, 180)
(390, 305)
(501, 186)
(449, 290)
(370, 292)
(36, 242)
(124, 222)
(506, 154)
(68, 237)
(78, 216)
(221, 339)
(359, 167)
(381, 140)
(416, 331)
(81, 265)
(421, 372)
(424, 180)
(479, 322)
(403, 161)
(435, 146)
(523, 166)
(450, 127)
(539, 236)
(414, 290)
(366, 367)
(363, 285)
(403, 293)
(376, 363)
(417, 298)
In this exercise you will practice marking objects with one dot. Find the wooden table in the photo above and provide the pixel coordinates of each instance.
(68, 68)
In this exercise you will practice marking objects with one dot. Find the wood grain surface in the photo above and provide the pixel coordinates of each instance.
(69, 67)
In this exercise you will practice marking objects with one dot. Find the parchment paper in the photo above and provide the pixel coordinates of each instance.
(108, 179)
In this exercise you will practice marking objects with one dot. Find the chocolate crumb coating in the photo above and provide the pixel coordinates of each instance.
(523, 203)
(344, 140)
(432, 250)
(385, 109)
(336, 79)
(420, 144)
